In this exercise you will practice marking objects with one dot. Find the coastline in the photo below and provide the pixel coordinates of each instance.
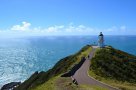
(67, 63)
(65, 67)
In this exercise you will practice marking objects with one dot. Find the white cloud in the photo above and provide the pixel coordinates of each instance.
(23, 27)
(51, 29)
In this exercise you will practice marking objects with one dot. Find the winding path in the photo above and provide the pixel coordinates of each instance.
(82, 77)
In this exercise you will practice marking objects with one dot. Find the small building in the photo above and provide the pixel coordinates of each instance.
(101, 40)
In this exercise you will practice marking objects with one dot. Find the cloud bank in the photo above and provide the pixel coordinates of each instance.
(25, 28)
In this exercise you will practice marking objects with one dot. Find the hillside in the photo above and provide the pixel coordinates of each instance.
(61, 67)
(108, 65)
(114, 65)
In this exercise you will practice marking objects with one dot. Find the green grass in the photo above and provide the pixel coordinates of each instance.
(49, 85)
(57, 83)
(65, 83)
(93, 87)
(115, 83)
(114, 67)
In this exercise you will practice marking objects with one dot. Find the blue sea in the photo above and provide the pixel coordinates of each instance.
(22, 56)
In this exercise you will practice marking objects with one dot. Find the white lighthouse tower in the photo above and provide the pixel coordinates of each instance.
(101, 40)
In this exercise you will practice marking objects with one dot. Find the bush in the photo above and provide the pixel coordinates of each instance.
(112, 63)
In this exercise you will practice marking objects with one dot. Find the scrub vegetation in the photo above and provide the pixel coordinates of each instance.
(114, 67)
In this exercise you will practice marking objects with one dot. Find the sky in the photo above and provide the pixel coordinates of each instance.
(67, 17)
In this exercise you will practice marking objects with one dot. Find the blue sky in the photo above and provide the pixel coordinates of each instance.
(68, 17)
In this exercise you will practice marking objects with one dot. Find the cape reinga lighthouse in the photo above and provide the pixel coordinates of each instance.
(101, 40)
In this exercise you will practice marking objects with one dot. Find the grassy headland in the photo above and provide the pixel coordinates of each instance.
(114, 67)
(61, 67)
(109, 65)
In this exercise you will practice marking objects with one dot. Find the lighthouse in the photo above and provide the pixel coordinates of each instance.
(101, 40)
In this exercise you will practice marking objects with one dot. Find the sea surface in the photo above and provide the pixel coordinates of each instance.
(20, 57)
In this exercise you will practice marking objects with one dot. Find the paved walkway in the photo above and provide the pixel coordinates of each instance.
(82, 76)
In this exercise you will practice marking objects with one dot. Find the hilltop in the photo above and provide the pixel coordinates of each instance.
(114, 66)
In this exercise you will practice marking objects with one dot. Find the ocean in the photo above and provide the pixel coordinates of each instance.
(22, 56)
